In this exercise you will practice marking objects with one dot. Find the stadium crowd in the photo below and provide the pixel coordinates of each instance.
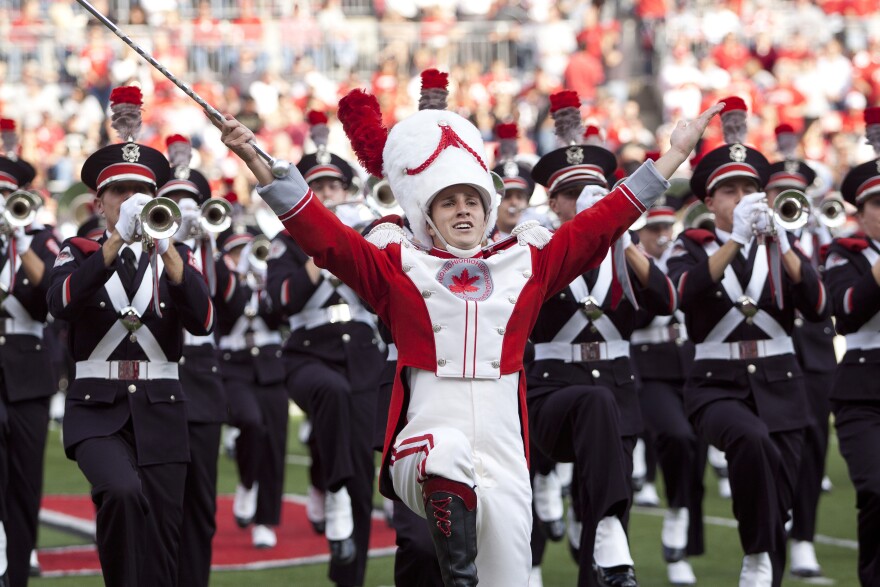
(637, 66)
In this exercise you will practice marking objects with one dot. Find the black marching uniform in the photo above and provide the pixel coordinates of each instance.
(125, 421)
(333, 364)
(26, 386)
(745, 393)
(206, 408)
(855, 395)
(663, 356)
(582, 392)
(253, 373)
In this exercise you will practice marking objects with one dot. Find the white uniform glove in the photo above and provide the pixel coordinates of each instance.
(189, 218)
(744, 215)
(22, 240)
(625, 239)
(589, 196)
(129, 214)
(781, 236)
(244, 262)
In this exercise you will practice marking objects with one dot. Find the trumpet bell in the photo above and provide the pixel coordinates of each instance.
(792, 209)
(259, 254)
(160, 218)
(832, 214)
(698, 215)
(21, 208)
(216, 215)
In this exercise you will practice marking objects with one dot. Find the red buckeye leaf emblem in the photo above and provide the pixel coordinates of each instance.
(462, 283)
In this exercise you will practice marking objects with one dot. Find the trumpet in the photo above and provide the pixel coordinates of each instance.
(792, 209)
(215, 216)
(380, 199)
(159, 219)
(20, 210)
(259, 253)
(831, 213)
(698, 215)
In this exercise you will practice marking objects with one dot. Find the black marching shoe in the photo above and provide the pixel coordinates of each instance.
(622, 576)
(554, 530)
(342, 552)
(451, 509)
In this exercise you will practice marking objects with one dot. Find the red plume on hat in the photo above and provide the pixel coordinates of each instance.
(507, 133)
(362, 121)
(593, 136)
(565, 108)
(734, 120)
(229, 190)
(179, 150)
(435, 90)
(9, 138)
(318, 129)
(786, 140)
(872, 128)
(125, 109)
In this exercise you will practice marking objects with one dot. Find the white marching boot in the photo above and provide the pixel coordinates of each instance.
(244, 504)
(681, 573)
(535, 578)
(315, 500)
(674, 535)
(263, 537)
(647, 496)
(339, 526)
(757, 571)
(547, 497)
(803, 559)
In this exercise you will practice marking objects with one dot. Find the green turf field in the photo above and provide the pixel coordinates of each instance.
(719, 567)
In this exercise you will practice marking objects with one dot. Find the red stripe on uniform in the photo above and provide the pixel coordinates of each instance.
(65, 297)
(297, 208)
(210, 317)
(847, 301)
(672, 298)
(681, 285)
(632, 197)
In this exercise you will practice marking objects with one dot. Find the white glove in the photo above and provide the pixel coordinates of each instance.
(781, 236)
(744, 215)
(129, 214)
(189, 218)
(625, 239)
(244, 262)
(589, 196)
(22, 240)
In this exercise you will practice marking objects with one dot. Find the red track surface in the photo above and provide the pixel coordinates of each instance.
(297, 542)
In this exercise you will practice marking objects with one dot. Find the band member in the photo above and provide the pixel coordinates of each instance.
(415, 561)
(581, 386)
(250, 347)
(852, 272)
(745, 393)
(125, 415)
(455, 448)
(333, 366)
(517, 180)
(28, 252)
(200, 378)
(814, 347)
(663, 356)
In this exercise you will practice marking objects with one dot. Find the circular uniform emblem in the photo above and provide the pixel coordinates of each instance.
(737, 153)
(468, 279)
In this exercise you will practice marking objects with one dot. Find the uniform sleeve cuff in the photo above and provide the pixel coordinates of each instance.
(646, 184)
(284, 193)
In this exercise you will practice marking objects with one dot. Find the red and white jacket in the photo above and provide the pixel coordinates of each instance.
(459, 318)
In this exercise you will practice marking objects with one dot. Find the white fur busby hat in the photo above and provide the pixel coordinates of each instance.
(423, 154)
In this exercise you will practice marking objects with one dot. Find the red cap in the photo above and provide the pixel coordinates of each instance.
(872, 115)
(432, 78)
(733, 103)
(784, 129)
(316, 117)
(126, 95)
(564, 99)
(592, 131)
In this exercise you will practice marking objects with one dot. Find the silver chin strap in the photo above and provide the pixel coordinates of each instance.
(460, 253)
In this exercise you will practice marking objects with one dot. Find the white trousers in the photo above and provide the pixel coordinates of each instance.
(468, 430)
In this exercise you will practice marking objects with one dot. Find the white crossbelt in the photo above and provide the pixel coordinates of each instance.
(20, 321)
(730, 284)
(581, 352)
(581, 292)
(744, 349)
(659, 331)
(126, 370)
(190, 339)
(338, 313)
(250, 330)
